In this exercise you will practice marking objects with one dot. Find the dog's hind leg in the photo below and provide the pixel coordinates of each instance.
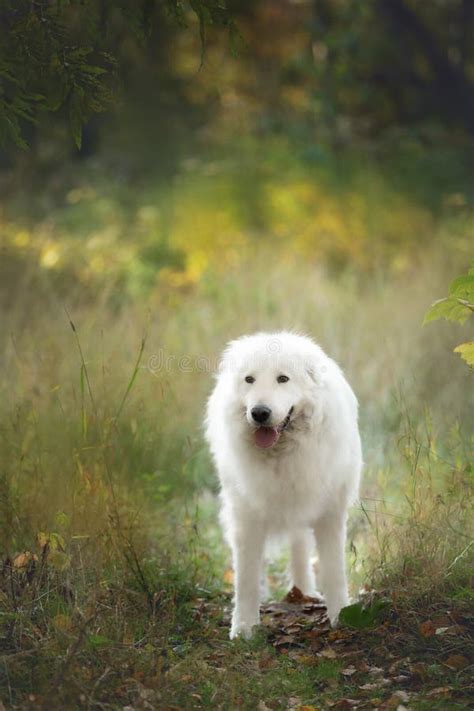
(302, 575)
(264, 587)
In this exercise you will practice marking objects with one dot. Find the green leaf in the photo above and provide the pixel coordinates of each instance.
(91, 69)
(466, 351)
(463, 287)
(449, 308)
(360, 617)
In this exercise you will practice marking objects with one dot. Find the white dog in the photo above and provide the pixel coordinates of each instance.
(282, 427)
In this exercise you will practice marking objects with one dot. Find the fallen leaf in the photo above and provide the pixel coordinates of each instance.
(293, 629)
(427, 628)
(349, 671)
(314, 633)
(335, 635)
(295, 595)
(402, 695)
(313, 606)
(456, 661)
(346, 703)
(401, 679)
(438, 691)
(375, 671)
(328, 653)
(375, 685)
(284, 640)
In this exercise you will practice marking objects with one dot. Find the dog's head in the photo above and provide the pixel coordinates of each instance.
(272, 379)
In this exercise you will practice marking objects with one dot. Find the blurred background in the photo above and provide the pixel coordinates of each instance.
(172, 177)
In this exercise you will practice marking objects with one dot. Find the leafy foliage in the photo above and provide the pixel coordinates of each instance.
(56, 56)
(457, 307)
(360, 616)
(466, 351)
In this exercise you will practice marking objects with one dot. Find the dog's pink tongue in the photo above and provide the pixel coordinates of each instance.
(266, 436)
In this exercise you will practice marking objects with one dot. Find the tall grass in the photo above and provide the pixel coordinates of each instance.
(97, 408)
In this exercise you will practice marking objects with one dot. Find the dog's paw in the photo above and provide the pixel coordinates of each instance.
(242, 629)
(333, 614)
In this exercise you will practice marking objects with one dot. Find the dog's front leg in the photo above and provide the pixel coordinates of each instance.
(330, 533)
(248, 542)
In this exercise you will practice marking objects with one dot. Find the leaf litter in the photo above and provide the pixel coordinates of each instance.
(372, 651)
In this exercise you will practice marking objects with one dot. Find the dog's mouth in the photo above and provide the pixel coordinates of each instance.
(266, 437)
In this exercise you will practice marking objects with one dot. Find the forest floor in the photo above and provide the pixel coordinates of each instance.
(409, 661)
(128, 650)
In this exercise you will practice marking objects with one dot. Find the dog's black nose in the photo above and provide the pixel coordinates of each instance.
(260, 413)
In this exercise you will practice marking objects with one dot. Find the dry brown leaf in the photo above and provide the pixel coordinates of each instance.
(294, 595)
(402, 695)
(375, 685)
(427, 628)
(375, 671)
(314, 633)
(349, 671)
(442, 691)
(456, 661)
(346, 703)
(293, 629)
(22, 560)
(339, 634)
(328, 653)
(284, 639)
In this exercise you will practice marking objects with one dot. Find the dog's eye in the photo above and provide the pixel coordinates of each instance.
(282, 379)
(249, 379)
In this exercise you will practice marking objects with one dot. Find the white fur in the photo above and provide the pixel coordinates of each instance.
(303, 485)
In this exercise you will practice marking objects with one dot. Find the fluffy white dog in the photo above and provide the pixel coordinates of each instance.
(282, 427)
